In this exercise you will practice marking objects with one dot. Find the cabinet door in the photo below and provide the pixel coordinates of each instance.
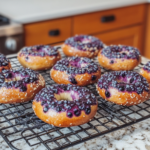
(47, 32)
(108, 20)
(131, 36)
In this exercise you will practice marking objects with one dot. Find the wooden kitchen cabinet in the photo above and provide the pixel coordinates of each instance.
(47, 32)
(147, 36)
(116, 26)
(108, 20)
(131, 36)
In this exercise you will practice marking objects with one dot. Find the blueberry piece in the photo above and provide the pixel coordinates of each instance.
(4, 63)
(43, 102)
(58, 109)
(17, 84)
(111, 62)
(8, 75)
(128, 89)
(26, 58)
(107, 94)
(1, 80)
(146, 89)
(123, 74)
(88, 110)
(23, 88)
(24, 73)
(72, 80)
(93, 77)
(77, 112)
(139, 91)
(27, 80)
(121, 88)
(137, 84)
(45, 109)
(82, 107)
(131, 80)
(69, 114)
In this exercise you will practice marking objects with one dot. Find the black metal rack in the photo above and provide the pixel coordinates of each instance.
(19, 123)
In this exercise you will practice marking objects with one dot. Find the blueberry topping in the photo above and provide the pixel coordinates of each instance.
(147, 66)
(123, 81)
(26, 58)
(45, 109)
(3, 60)
(78, 42)
(69, 114)
(107, 94)
(81, 100)
(39, 50)
(72, 80)
(58, 109)
(131, 80)
(88, 110)
(23, 88)
(112, 61)
(94, 77)
(27, 80)
(77, 112)
(76, 65)
(8, 75)
(122, 88)
(119, 52)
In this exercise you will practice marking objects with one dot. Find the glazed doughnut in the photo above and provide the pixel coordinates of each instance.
(20, 85)
(4, 63)
(65, 105)
(119, 57)
(75, 70)
(82, 46)
(123, 87)
(145, 71)
(40, 57)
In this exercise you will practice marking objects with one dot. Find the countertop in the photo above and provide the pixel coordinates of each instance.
(29, 11)
(135, 137)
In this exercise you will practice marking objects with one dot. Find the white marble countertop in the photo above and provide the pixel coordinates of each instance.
(35, 10)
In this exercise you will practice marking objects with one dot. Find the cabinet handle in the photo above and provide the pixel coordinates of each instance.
(107, 18)
(54, 32)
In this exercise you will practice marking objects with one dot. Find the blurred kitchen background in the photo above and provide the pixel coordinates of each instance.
(31, 22)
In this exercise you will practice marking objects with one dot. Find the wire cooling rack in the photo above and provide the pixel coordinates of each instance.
(18, 122)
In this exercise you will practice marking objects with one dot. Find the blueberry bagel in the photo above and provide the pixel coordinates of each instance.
(123, 87)
(75, 70)
(119, 57)
(20, 85)
(82, 46)
(40, 57)
(4, 63)
(65, 105)
(145, 71)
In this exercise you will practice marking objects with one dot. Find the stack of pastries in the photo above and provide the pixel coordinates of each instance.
(69, 103)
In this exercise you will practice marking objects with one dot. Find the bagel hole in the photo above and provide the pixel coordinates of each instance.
(78, 63)
(85, 41)
(69, 96)
(125, 80)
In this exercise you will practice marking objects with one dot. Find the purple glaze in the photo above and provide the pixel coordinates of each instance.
(3, 60)
(18, 78)
(121, 51)
(82, 99)
(76, 65)
(125, 81)
(84, 43)
(39, 50)
(147, 66)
